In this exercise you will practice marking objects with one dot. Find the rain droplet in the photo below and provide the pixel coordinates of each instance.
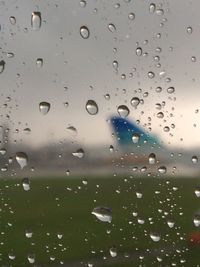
(11, 256)
(131, 16)
(151, 75)
(159, 12)
(170, 223)
(189, 30)
(194, 159)
(39, 62)
(26, 184)
(196, 220)
(160, 115)
(138, 51)
(152, 158)
(135, 138)
(135, 101)
(59, 235)
(72, 129)
(162, 169)
(84, 32)
(44, 107)
(28, 233)
(31, 258)
(155, 237)
(12, 20)
(170, 90)
(2, 66)
(36, 21)
(115, 64)
(22, 159)
(197, 191)
(111, 27)
(82, 3)
(123, 111)
(113, 252)
(3, 151)
(139, 195)
(104, 214)
(79, 153)
(152, 8)
(91, 107)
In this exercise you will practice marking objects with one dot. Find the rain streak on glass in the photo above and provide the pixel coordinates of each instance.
(36, 21)
(21, 159)
(91, 107)
(84, 32)
(123, 111)
(44, 107)
(104, 214)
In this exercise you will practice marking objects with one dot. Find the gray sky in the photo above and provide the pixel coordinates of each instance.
(84, 66)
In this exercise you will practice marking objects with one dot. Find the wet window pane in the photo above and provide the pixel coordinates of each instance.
(99, 146)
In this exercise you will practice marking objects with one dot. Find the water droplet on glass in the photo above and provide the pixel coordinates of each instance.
(84, 32)
(79, 153)
(131, 16)
(139, 195)
(152, 8)
(21, 159)
(39, 62)
(44, 107)
(170, 90)
(189, 30)
(138, 51)
(135, 101)
(113, 252)
(123, 111)
(135, 138)
(82, 3)
(31, 258)
(12, 20)
(162, 169)
(59, 235)
(155, 237)
(3, 151)
(103, 214)
(36, 21)
(91, 107)
(151, 75)
(2, 65)
(194, 159)
(26, 184)
(28, 233)
(11, 256)
(170, 223)
(159, 12)
(197, 191)
(160, 115)
(196, 220)
(111, 27)
(152, 158)
(115, 64)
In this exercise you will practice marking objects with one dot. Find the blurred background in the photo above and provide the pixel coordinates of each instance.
(99, 133)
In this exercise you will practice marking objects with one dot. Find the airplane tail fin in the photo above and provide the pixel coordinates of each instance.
(128, 133)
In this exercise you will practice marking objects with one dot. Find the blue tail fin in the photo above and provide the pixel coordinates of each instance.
(125, 132)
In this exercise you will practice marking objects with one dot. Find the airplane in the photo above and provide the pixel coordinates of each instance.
(139, 147)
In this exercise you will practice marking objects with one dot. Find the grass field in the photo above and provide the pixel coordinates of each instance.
(64, 206)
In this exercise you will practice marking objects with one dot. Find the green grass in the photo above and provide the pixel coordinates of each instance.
(50, 207)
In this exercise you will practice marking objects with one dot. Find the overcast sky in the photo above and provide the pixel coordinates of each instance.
(85, 68)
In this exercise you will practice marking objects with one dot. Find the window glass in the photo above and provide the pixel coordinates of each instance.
(99, 144)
